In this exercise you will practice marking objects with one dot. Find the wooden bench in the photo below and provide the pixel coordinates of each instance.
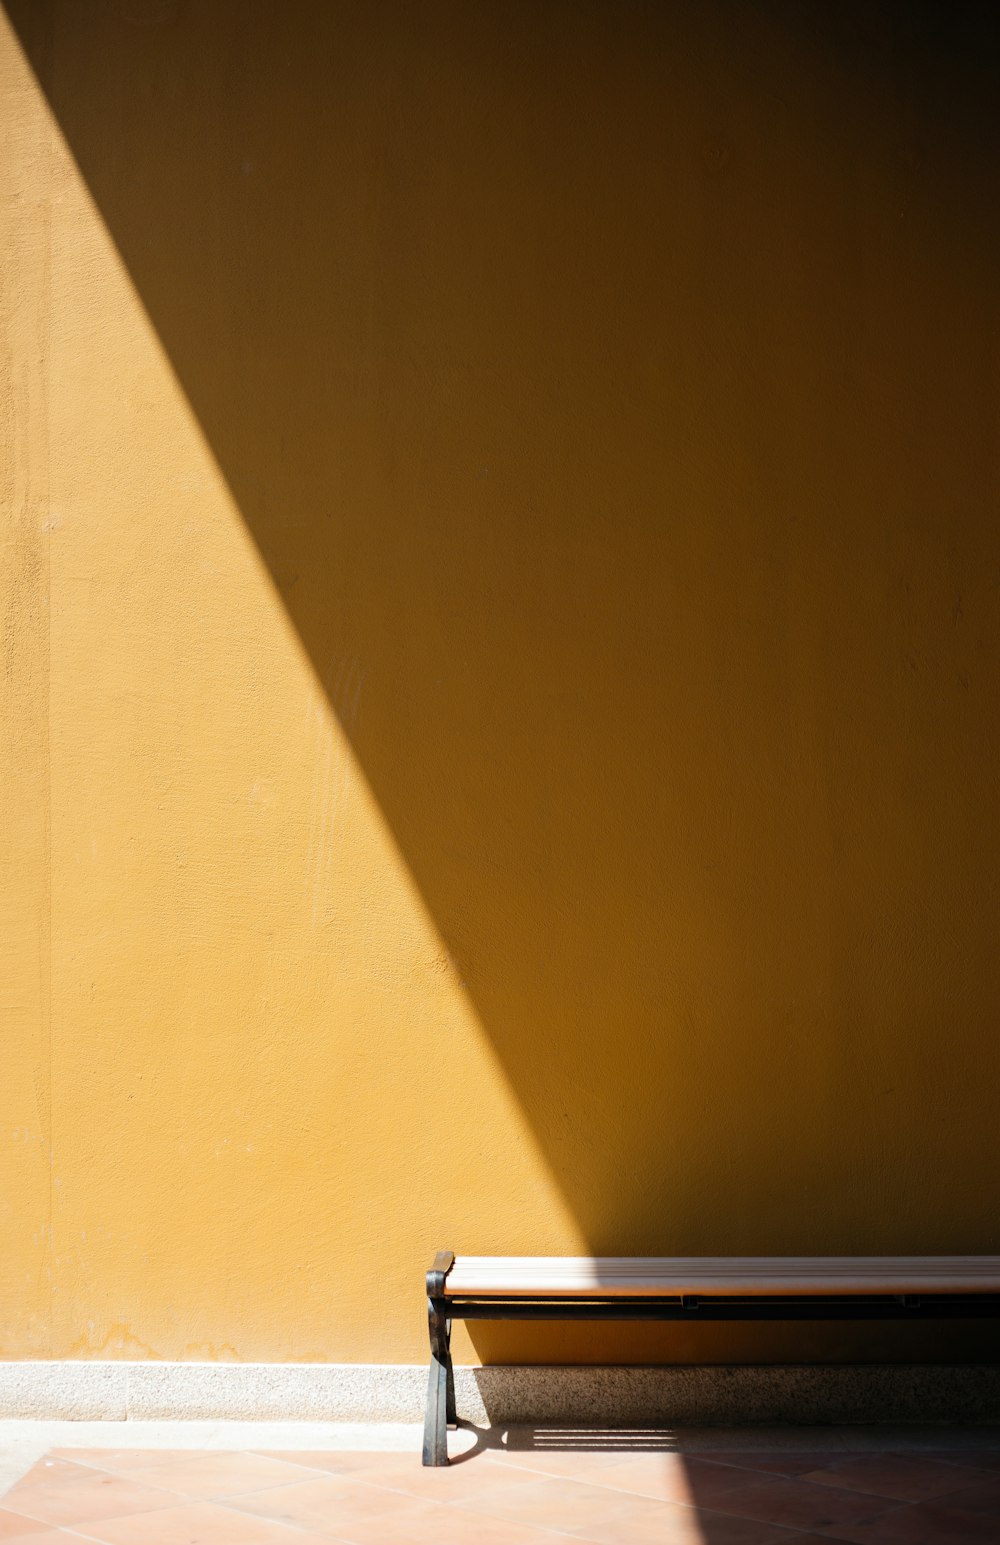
(479, 1287)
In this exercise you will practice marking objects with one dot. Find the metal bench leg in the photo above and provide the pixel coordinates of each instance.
(440, 1387)
(441, 1379)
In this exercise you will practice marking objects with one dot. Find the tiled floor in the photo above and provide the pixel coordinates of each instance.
(528, 1487)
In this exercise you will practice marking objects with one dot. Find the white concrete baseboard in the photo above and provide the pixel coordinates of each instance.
(607, 1397)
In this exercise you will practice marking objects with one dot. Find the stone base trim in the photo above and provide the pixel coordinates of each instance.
(501, 1396)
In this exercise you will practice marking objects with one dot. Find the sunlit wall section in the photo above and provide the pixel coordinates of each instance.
(270, 1098)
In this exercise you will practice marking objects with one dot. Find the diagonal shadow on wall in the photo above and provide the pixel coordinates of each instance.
(612, 383)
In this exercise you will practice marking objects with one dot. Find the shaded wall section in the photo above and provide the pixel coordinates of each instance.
(521, 557)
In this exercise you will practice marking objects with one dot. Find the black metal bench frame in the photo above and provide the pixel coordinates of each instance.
(443, 1307)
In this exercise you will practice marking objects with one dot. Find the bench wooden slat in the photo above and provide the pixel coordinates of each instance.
(585, 1276)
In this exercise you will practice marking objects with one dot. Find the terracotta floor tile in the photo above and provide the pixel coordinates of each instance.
(905, 1477)
(983, 1497)
(53, 1469)
(662, 1477)
(59, 1492)
(711, 1485)
(779, 1464)
(330, 1503)
(410, 1525)
(440, 1524)
(451, 1483)
(14, 1526)
(554, 1502)
(47, 1537)
(121, 1460)
(331, 1461)
(986, 1461)
(806, 1539)
(219, 1475)
(670, 1523)
(795, 1504)
(199, 1523)
(579, 1463)
(921, 1523)
(673, 1478)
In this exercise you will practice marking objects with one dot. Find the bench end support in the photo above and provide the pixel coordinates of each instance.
(441, 1408)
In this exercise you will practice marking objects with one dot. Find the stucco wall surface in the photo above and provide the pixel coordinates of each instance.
(501, 602)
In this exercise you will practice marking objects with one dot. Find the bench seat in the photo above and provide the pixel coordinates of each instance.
(558, 1276)
(684, 1287)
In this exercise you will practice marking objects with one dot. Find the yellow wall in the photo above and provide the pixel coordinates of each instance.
(501, 587)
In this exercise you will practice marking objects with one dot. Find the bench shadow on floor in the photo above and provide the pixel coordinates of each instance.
(555, 1439)
(764, 1486)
